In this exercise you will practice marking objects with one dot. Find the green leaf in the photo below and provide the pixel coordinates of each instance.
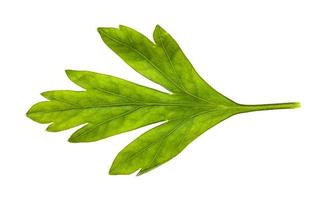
(109, 105)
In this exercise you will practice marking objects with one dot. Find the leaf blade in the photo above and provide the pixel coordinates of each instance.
(191, 81)
(162, 143)
(139, 53)
(109, 105)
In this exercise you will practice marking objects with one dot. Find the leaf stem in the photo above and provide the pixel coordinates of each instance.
(274, 106)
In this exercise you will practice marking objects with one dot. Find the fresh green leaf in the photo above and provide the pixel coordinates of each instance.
(109, 105)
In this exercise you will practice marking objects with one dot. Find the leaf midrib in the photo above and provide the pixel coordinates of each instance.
(121, 105)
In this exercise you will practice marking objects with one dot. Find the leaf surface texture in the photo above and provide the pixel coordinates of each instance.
(108, 105)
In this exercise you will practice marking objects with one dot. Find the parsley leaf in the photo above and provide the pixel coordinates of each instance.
(109, 105)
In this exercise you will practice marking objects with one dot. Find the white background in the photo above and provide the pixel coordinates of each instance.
(251, 51)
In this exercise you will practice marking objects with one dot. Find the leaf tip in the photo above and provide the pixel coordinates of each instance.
(121, 26)
(115, 170)
(73, 139)
(100, 30)
(77, 138)
(120, 168)
(46, 94)
(28, 113)
(69, 72)
(158, 26)
(52, 128)
(111, 171)
(73, 74)
(158, 32)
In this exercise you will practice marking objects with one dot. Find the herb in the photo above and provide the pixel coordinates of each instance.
(109, 105)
